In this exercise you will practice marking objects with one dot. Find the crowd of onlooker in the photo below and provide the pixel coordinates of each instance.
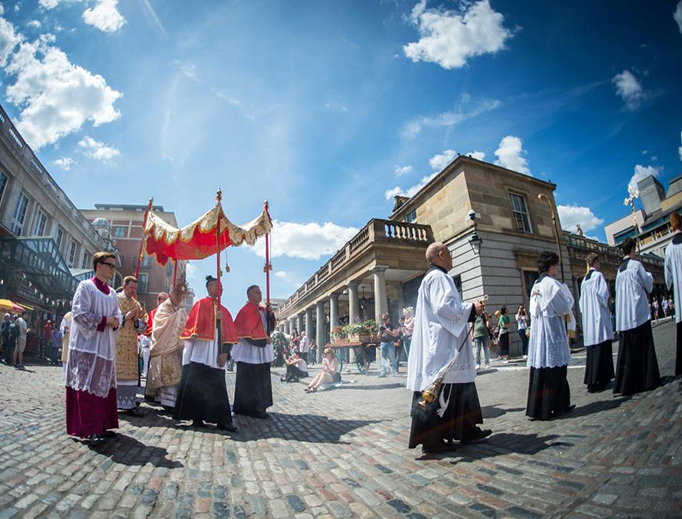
(14, 335)
(662, 307)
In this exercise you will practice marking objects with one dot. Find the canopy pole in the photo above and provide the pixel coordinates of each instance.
(142, 240)
(268, 266)
(218, 199)
(175, 271)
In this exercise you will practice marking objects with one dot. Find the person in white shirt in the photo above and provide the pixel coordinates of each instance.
(673, 279)
(21, 341)
(297, 368)
(304, 346)
(637, 367)
(549, 353)
(441, 332)
(597, 326)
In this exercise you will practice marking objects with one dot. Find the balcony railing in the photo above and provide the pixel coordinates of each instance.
(375, 232)
(587, 244)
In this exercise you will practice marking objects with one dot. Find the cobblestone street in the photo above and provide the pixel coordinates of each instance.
(342, 453)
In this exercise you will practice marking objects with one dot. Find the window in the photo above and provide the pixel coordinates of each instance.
(86, 257)
(520, 213)
(411, 216)
(3, 184)
(41, 222)
(72, 253)
(20, 214)
(120, 232)
(145, 261)
(60, 239)
(142, 284)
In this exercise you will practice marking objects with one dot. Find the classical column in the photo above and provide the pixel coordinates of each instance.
(333, 313)
(319, 335)
(292, 325)
(353, 305)
(380, 302)
(309, 323)
(299, 323)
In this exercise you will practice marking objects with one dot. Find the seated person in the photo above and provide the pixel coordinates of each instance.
(330, 372)
(296, 368)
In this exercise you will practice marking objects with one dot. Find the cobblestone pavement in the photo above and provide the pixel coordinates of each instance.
(342, 453)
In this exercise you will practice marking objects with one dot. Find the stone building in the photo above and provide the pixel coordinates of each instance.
(125, 224)
(46, 245)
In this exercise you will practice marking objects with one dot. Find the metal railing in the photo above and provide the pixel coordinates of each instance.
(376, 231)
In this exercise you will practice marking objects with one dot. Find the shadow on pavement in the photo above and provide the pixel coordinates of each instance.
(594, 407)
(129, 451)
(492, 411)
(393, 385)
(318, 428)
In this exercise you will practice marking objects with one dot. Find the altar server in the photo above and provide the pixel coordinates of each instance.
(597, 326)
(549, 353)
(673, 278)
(253, 355)
(441, 331)
(637, 368)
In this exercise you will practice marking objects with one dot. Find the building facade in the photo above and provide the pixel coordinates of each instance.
(125, 222)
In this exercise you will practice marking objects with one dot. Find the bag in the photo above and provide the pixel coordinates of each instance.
(336, 378)
(14, 330)
(528, 332)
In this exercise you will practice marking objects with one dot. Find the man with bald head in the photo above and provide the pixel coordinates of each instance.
(441, 332)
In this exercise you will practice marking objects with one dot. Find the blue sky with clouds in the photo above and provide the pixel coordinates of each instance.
(328, 109)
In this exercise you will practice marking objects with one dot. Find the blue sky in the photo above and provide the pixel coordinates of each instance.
(328, 109)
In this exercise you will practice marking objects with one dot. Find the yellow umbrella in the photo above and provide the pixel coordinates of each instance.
(9, 306)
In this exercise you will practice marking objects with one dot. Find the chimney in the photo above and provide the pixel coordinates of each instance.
(651, 193)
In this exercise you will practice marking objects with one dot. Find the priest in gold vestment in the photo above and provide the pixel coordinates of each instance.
(165, 364)
(127, 356)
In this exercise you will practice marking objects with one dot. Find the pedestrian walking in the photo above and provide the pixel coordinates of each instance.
(20, 346)
(388, 334)
(523, 322)
(504, 334)
(481, 336)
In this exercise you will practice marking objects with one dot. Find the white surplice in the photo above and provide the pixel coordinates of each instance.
(673, 271)
(633, 284)
(594, 306)
(440, 328)
(551, 310)
(91, 365)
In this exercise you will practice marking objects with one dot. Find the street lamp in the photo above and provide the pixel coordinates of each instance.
(474, 240)
(630, 201)
(544, 197)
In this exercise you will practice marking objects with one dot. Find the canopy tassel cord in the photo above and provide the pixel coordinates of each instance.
(144, 238)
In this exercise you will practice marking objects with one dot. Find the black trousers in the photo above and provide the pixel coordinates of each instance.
(253, 389)
(203, 395)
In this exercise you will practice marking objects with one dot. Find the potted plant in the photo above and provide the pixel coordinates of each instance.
(338, 334)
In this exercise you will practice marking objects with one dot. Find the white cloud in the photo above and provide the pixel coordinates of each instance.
(98, 150)
(56, 97)
(450, 38)
(104, 16)
(510, 155)
(678, 16)
(34, 24)
(189, 70)
(448, 119)
(641, 172)
(49, 4)
(339, 107)
(411, 191)
(573, 215)
(629, 89)
(478, 155)
(401, 171)
(65, 163)
(439, 161)
(281, 274)
(308, 241)
(190, 271)
(9, 39)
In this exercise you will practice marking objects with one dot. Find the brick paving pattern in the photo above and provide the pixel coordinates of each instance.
(342, 453)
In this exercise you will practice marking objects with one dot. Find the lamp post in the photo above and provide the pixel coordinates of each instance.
(630, 201)
(544, 197)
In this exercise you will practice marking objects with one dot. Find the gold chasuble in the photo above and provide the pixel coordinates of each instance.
(165, 365)
(126, 346)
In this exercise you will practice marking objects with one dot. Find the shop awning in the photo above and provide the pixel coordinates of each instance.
(41, 262)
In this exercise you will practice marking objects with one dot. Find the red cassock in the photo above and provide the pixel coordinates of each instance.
(201, 323)
(249, 323)
(150, 322)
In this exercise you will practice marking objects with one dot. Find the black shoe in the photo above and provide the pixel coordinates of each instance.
(262, 416)
(95, 440)
(226, 427)
(438, 449)
(110, 434)
(198, 423)
(478, 435)
(135, 412)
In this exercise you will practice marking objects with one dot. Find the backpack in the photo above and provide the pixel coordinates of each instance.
(14, 330)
